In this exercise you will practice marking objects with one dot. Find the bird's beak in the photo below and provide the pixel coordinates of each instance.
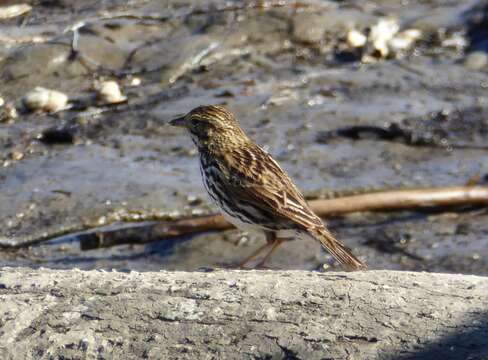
(180, 122)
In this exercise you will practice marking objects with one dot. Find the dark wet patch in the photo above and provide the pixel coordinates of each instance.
(478, 27)
(467, 128)
(63, 135)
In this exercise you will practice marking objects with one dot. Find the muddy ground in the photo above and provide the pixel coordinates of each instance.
(284, 69)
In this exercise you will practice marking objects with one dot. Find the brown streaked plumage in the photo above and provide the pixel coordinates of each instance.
(249, 186)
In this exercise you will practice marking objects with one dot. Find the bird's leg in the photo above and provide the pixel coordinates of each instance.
(270, 239)
(254, 254)
(277, 242)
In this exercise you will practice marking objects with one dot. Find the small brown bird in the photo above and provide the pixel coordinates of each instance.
(251, 189)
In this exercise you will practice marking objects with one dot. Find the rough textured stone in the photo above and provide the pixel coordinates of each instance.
(241, 315)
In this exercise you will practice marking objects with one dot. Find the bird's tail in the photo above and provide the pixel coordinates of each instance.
(338, 250)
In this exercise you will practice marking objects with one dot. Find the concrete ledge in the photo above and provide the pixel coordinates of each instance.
(242, 315)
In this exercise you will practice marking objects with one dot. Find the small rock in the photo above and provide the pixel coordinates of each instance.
(2, 102)
(9, 112)
(384, 29)
(109, 92)
(135, 81)
(385, 39)
(17, 155)
(356, 39)
(7, 12)
(404, 40)
(381, 34)
(456, 41)
(45, 100)
(476, 60)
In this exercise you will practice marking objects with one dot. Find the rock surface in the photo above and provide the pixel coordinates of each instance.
(241, 315)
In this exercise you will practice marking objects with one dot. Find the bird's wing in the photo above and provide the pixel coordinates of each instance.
(259, 184)
(254, 177)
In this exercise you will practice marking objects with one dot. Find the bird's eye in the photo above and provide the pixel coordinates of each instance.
(197, 125)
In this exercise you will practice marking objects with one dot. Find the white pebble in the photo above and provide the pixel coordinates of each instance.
(457, 41)
(109, 92)
(7, 12)
(384, 30)
(405, 39)
(356, 38)
(382, 33)
(45, 100)
(135, 81)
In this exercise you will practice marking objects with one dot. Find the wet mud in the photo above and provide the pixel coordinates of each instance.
(285, 70)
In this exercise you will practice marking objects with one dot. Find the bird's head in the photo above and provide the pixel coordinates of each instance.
(209, 124)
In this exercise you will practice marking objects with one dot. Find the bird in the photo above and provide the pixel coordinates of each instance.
(251, 189)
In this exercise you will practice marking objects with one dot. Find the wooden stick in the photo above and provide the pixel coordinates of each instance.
(403, 200)
(408, 199)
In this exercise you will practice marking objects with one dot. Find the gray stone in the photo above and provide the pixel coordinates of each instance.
(241, 315)
(476, 60)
